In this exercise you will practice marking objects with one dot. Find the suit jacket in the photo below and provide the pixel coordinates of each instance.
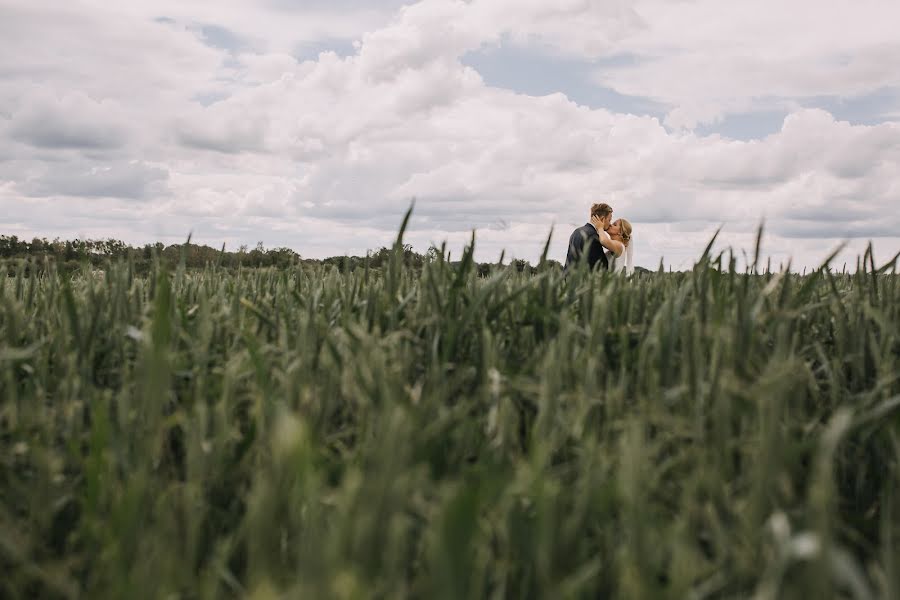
(584, 244)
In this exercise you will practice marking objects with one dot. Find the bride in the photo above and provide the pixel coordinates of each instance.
(619, 244)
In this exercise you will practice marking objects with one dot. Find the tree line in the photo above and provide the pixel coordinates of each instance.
(71, 255)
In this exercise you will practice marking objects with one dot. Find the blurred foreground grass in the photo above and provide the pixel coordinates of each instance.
(436, 434)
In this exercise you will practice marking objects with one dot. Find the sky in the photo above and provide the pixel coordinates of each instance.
(314, 124)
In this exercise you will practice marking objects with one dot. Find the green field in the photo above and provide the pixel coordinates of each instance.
(434, 433)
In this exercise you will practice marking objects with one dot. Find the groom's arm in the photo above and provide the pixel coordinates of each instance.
(576, 248)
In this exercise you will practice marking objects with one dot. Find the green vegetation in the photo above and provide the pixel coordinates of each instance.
(70, 256)
(435, 432)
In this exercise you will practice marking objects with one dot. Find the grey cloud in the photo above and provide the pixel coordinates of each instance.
(71, 121)
(134, 181)
(699, 226)
(851, 167)
(668, 204)
(827, 215)
(231, 138)
(747, 180)
(887, 226)
(436, 214)
(50, 131)
(865, 152)
(7, 147)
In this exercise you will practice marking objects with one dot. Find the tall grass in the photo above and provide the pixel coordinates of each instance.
(436, 434)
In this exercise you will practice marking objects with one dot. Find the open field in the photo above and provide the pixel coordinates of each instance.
(436, 434)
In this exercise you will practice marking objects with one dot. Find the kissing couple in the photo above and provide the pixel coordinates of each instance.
(602, 242)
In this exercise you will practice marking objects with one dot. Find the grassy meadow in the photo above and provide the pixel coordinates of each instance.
(435, 433)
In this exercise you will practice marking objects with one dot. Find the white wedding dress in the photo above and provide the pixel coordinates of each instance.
(619, 264)
(624, 263)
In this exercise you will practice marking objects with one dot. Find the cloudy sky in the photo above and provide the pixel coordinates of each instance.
(313, 123)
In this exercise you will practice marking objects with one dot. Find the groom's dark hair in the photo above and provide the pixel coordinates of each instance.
(601, 210)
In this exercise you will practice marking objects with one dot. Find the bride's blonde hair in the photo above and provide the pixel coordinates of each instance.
(625, 230)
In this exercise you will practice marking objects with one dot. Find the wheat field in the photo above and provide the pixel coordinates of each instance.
(436, 433)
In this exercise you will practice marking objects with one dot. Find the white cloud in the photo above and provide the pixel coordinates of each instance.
(706, 59)
(324, 155)
(104, 54)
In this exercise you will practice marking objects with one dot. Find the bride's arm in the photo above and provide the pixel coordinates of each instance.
(607, 242)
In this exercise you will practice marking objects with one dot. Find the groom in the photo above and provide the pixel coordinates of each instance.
(584, 243)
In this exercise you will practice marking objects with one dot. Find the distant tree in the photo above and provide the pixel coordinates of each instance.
(432, 254)
(521, 265)
(70, 255)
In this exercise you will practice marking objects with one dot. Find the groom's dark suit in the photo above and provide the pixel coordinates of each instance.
(584, 244)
